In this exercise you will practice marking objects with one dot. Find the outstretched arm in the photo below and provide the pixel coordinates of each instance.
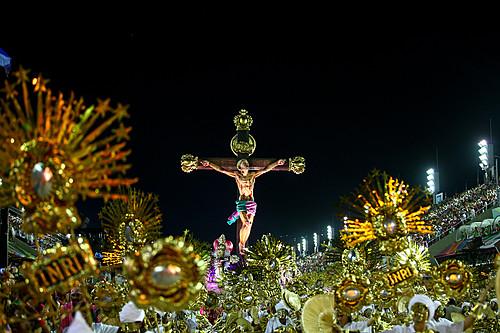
(218, 168)
(269, 167)
(477, 311)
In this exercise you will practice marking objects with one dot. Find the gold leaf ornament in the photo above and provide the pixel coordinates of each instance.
(189, 163)
(297, 164)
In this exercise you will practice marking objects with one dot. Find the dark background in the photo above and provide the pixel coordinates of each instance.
(348, 104)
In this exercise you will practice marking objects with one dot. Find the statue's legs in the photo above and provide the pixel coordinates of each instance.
(246, 227)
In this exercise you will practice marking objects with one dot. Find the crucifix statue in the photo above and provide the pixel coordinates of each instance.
(244, 170)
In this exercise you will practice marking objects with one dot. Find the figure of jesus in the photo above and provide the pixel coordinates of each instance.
(245, 206)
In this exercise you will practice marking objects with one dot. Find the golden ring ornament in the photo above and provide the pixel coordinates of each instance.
(247, 296)
(166, 275)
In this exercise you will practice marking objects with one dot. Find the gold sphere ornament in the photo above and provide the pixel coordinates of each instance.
(166, 275)
(55, 150)
(243, 147)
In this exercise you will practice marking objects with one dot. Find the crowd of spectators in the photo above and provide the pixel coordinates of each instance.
(459, 209)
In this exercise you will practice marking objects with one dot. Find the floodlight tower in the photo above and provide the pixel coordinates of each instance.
(486, 160)
(316, 241)
(329, 234)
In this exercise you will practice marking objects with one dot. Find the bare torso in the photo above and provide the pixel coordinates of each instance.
(245, 185)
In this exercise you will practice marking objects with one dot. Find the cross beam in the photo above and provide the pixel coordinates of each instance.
(242, 145)
(255, 163)
(190, 163)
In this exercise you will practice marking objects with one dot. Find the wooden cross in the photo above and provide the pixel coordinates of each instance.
(242, 145)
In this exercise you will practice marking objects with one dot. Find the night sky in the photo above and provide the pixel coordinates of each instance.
(347, 106)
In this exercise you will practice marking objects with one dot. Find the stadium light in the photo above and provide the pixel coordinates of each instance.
(315, 240)
(431, 185)
(304, 246)
(483, 154)
(329, 234)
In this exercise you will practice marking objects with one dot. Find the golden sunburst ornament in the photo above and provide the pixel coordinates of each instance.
(455, 276)
(166, 275)
(130, 224)
(55, 150)
(352, 292)
(271, 254)
(386, 210)
(354, 261)
(110, 297)
(416, 256)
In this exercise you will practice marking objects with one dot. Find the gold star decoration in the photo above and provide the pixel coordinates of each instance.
(122, 132)
(102, 107)
(121, 111)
